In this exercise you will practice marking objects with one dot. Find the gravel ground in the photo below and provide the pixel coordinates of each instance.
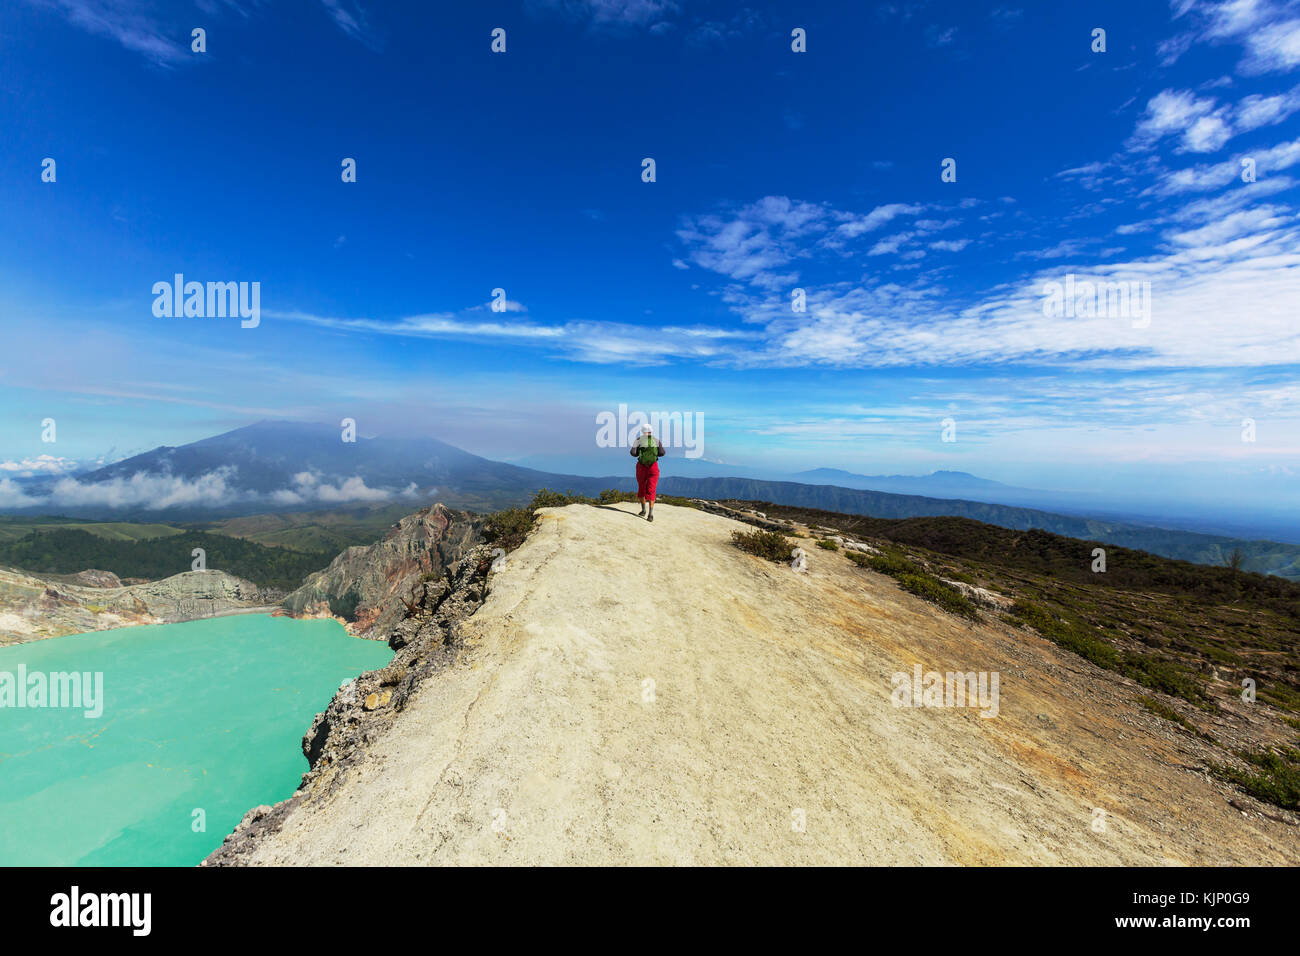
(636, 693)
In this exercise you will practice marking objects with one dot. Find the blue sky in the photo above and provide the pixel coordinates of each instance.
(775, 170)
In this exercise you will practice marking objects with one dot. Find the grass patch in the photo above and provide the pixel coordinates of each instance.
(828, 545)
(1168, 713)
(1275, 778)
(1148, 670)
(933, 590)
(892, 563)
(764, 544)
(1156, 620)
(913, 578)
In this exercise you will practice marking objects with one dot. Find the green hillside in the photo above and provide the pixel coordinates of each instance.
(12, 528)
(62, 550)
(1170, 625)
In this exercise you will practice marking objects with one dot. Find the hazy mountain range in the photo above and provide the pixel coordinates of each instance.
(286, 466)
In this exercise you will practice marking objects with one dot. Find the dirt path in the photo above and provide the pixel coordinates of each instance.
(767, 734)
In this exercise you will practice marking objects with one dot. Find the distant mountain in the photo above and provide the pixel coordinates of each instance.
(939, 484)
(277, 465)
(287, 466)
(1266, 557)
(269, 455)
(618, 459)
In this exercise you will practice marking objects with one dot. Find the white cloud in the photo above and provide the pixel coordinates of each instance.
(152, 491)
(855, 226)
(1268, 162)
(1268, 30)
(755, 241)
(40, 465)
(309, 488)
(13, 496)
(1202, 123)
(1255, 111)
(217, 488)
(1273, 49)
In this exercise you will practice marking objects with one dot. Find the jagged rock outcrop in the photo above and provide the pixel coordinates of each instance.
(91, 578)
(756, 518)
(33, 607)
(372, 588)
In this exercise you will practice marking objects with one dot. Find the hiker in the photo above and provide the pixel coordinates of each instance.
(647, 451)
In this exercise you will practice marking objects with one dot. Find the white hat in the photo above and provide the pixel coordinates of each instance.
(645, 429)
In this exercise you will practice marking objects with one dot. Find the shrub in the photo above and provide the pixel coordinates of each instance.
(912, 578)
(933, 590)
(765, 544)
(1149, 671)
(545, 498)
(1277, 780)
(828, 545)
(1164, 676)
(508, 528)
(1067, 634)
(1168, 713)
(892, 563)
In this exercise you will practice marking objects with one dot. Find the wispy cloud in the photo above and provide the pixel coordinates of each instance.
(611, 13)
(1267, 30)
(135, 24)
(350, 17)
(600, 342)
(157, 31)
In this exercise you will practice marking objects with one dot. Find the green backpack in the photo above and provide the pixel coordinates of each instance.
(649, 454)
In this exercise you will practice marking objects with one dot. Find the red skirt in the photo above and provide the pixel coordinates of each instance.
(647, 479)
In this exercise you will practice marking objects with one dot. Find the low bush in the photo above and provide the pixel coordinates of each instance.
(1171, 715)
(1275, 780)
(1148, 670)
(764, 544)
(935, 591)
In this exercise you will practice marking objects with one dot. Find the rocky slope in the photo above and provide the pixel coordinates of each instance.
(647, 693)
(32, 607)
(370, 588)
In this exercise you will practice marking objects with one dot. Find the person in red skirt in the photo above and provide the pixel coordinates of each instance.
(647, 451)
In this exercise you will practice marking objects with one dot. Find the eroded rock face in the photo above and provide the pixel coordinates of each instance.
(426, 640)
(94, 578)
(33, 607)
(371, 589)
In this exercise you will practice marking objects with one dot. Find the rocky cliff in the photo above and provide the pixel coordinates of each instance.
(34, 607)
(372, 588)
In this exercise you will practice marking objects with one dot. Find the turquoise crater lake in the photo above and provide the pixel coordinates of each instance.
(203, 716)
